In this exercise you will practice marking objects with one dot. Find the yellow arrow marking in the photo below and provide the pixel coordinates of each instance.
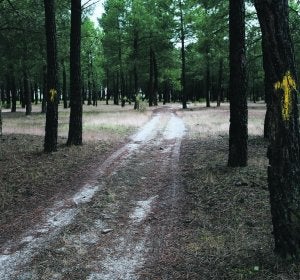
(287, 85)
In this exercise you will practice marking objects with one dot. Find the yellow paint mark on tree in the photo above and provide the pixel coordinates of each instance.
(53, 93)
(287, 85)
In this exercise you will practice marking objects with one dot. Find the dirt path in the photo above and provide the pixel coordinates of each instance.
(120, 225)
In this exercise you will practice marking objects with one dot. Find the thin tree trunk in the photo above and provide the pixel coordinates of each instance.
(27, 95)
(75, 128)
(183, 66)
(151, 78)
(64, 86)
(208, 85)
(238, 131)
(44, 103)
(284, 148)
(220, 82)
(50, 143)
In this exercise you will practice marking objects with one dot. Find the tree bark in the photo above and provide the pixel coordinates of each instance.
(283, 152)
(183, 64)
(151, 78)
(50, 143)
(219, 96)
(75, 127)
(238, 130)
(64, 86)
(208, 85)
(27, 94)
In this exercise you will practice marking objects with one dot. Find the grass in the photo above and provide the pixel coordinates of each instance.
(30, 179)
(99, 123)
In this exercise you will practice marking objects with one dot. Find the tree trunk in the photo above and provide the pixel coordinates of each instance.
(219, 97)
(50, 143)
(44, 104)
(208, 86)
(27, 94)
(13, 94)
(64, 86)
(151, 78)
(75, 127)
(283, 152)
(8, 90)
(238, 131)
(155, 82)
(183, 66)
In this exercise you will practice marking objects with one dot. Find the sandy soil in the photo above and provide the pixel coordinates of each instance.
(161, 205)
(120, 219)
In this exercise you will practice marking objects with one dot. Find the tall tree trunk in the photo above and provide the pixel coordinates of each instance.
(208, 85)
(27, 94)
(135, 59)
(50, 143)
(183, 66)
(13, 94)
(238, 131)
(283, 152)
(89, 81)
(0, 118)
(151, 78)
(64, 86)
(220, 79)
(75, 127)
(155, 73)
(8, 92)
(44, 103)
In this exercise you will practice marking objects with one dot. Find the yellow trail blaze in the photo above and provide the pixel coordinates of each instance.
(53, 94)
(287, 85)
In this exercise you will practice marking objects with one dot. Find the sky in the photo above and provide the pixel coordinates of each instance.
(98, 11)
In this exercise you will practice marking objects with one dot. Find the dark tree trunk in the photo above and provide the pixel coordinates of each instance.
(13, 94)
(283, 152)
(108, 90)
(219, 97)
(0, 118)
(135, 67)
(44, 90)
(32, 92)
(238, 131)
(183, 66)
(89, 82)
(2, 93)
(75, 128)
(208, 85)
(50, 143)
(27, 94)
(116, 89)
(8, 90)
(36, 95)
(64, 86)
(151, 79)
(155, 85)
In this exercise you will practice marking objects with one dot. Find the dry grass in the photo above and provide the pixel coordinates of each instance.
(104, 122)
(30, 179)
(228, 229)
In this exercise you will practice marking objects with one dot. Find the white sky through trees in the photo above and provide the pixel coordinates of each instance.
(98, 10)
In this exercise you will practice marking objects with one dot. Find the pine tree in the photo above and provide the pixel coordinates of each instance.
(238, 131)
(283, 152)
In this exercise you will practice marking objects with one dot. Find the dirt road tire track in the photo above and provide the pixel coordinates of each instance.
(119, 225)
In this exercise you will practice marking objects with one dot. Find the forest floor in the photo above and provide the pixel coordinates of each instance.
(148, 196)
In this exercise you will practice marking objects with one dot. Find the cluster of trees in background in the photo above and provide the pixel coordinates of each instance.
(165, 50)
(136, 49)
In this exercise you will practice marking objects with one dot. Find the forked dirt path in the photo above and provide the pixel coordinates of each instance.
(122, 224)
